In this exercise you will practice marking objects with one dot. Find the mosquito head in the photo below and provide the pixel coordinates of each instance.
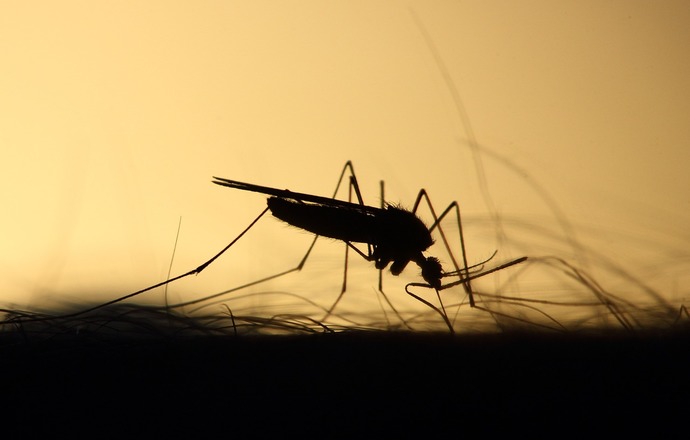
(431, 271)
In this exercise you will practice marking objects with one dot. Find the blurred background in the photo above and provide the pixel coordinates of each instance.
(560, 128)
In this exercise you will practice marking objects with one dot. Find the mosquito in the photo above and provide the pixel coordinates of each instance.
(393, 236)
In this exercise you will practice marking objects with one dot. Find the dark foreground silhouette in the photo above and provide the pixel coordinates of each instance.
(155, 383)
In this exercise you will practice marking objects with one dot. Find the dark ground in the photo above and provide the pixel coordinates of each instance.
(351, 385)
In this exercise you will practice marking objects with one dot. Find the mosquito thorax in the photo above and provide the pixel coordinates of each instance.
(404, 231)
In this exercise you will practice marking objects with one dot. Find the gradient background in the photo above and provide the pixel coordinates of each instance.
(114, 117)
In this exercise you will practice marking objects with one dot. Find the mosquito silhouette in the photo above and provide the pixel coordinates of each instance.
(393, 235)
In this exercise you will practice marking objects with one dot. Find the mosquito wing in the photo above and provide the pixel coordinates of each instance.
(287, 194)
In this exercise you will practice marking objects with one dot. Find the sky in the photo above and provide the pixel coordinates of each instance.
(561, 128)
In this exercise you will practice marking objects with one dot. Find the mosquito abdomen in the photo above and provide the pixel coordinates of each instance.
(329, 221)
(398, 234)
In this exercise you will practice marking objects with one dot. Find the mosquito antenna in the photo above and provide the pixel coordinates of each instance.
(477, 275)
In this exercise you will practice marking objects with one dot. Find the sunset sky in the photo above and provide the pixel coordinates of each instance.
(573, 129)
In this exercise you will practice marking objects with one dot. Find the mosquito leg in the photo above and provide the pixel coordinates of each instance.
(348, 166)
(463, 271)
(382, 187)
(206, 264)
(162, 283)
(352, 182)
(354, 187)
(441, 312)
(383, 203)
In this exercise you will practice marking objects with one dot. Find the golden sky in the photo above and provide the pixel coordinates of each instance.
(115, 115)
